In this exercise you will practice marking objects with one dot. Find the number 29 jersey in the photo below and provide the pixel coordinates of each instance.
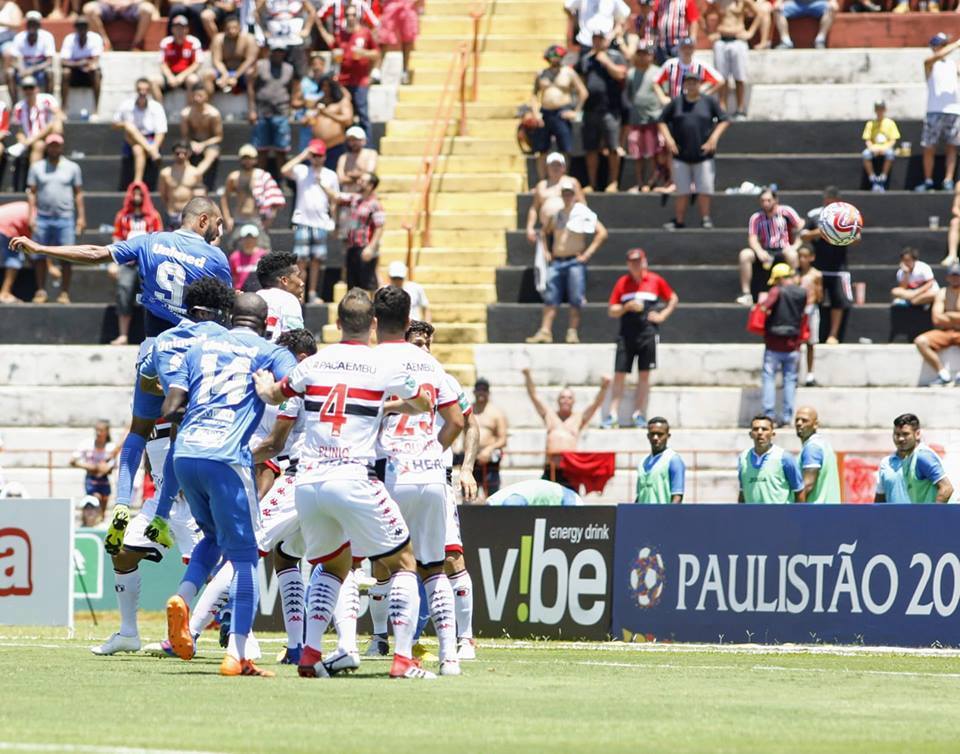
(343, 389)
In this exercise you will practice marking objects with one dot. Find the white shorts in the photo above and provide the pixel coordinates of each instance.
(813, 320)
(730, 58)
(279, 523)
(452, 542)
(691, 177)
(356, 513)
(424, 508)
(182, 526)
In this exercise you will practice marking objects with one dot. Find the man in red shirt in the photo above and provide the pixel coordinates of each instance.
(360, 53)
(14, 221)
(181, 56)
(642, 301)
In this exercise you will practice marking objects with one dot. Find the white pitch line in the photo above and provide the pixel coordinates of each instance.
(85, 749)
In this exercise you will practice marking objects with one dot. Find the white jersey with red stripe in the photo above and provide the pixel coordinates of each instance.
(33, 119)
(290, 410)
(284, 312)
(465, 406)
(674, 69)
(343, 389)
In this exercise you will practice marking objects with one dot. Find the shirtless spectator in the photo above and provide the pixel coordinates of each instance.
(137, 12)
(80, 61)
(233, 54)
(558, 98)
(674, 70)
(352, 164)
(811, 279)
(731, 45)
(35, 117)
(180, 182)
(31, 53)
(330, 118)
(250, 197)
(916, 283)
(201, 126)
(493, 438)
(645, 101)
(144, 124)
(181, 56)
(288, 23)
(271, 87)
(563, 424)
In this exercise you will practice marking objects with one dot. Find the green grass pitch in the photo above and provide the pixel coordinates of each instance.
(55, 696)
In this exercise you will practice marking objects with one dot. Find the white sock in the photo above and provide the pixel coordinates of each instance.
(404, 610)
(345, 614)
(944, 374)
(237, 646)
(440, 602)
(462, 586)
(379, 607)
(324, 591)
(253, 647)
(127, 586)
(292, 604)
(187, 590)
(214, 598)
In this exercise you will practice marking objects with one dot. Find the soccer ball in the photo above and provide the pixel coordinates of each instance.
(646, 577)
(840, 224)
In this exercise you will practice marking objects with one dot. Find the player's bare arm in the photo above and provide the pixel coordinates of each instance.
(174, 405)
(79, 254)
(471, 444)
(453, 423)
(274, 443)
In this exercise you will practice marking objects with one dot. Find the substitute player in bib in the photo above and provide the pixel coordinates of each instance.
(914, 473)
(342, 509)
(818, 462)
(213, 393)
(661, 476)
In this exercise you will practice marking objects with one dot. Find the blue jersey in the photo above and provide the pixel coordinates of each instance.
(168, 263)
(168, 349)
(223, 408)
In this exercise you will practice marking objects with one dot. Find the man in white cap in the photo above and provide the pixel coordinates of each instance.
(419, 303)
(30, 53)
(250, 196)
(351, 165)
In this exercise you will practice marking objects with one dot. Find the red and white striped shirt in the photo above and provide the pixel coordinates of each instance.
(367, 12)
(674, 70)
(673, 19)
(36, 118)
(774, 231)
(4, 118)
(179, 57)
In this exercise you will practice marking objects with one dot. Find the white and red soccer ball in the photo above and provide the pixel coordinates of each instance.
(840, 224)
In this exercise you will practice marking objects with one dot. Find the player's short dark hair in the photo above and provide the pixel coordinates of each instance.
(298, 341)
(200, 205)
(210, 293)
(355, 311)
(908, 420)
(419, 327)
(392, 307)
(762, 418)
(273, 266)
(658, 420)
(910, 251)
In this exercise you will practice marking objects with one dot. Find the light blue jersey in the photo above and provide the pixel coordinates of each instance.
(223, 409)
(169, 348)
(168, 263)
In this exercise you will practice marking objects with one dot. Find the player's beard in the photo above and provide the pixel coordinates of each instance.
(211, 234)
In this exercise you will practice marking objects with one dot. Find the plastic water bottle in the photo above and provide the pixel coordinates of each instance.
(105, 228)
(84, 114)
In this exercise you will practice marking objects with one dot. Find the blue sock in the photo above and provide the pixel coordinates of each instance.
(203, 560)
(243, 597)
(424, 616)
(130, 456)
(169, 487)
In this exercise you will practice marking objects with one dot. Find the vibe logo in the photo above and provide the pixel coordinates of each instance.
(16, 556)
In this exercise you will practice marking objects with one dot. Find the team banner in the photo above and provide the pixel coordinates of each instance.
(540, 572)
(852, 574)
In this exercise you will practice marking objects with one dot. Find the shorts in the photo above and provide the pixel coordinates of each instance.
(730, 58)
(272, 132)
(154, 324)
(309, 242)
(80, 78)
(128, 282)
(184, 529)
(42, 78)
(555, 127)
(127, 150)
(794, 9)
(333, 156)
(97, 485)
(644, 141)
(566, 280)
(869, 154)
(487, 477)
(53, 230)
(241, 87)
(108, 13)
(424, 508)
(940, 128)
(361, 274)
(399, 24)
(643, 349)
(698, 175)
(600, 130)
(837, 290)
(279, 524)
(940, 339)
(453, 541)
(813, 322)
(355, 513)
(12, 260)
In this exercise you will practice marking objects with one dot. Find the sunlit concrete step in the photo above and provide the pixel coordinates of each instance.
(454, 274)
(470, 221)
(465, 374)
(493, 43)
(451, 238)
(426, 111)
(476, 127)
(457, 182)
(440, 60)
(458, 312)
(427, 93)
(434, 25)
(453, 353)
(461, 145)
(479, 201)
(449, 294)
(433, 257)
(460, 333)
(541, 8)
(460, 164)
(488, 76)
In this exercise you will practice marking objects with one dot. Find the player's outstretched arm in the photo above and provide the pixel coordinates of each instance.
(79, 254)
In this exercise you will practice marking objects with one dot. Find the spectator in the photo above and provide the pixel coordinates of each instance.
(244, 260)
(782, 336)
(330, 118)
(144, 124)
(811, 280)
(31, 53)
(914, 472)
(367, 221)
(558, 99)
(731, 45)
(785, 10)
(288, 24)
(691, 126)
(80, 61)
(398, 30)
(675, 70)
(333, 15)
(953, 234)
(818, 462)
(36, 116)
(201, 126)
(916, 283)
(180, 57)
(673, 20)
(603, 71)
(941, 125)
(832, 262)
(201, 18)
(419, 303)
(493, 438)
(645, 101)
(310, 94)
(317, 193)
(945, 315)
(359, 53)
(14, 221)
(11, 19)
(606, 18)
(563, 424)
(355, 161)
(567, 255)
(97, 458)
(55, 193)
(661, 475)
(767, 473)
(880, 137)
(269, 92)
(233, 54)
(250, 196)
(642, 301)
(772, 237)
(136, 217)
(90, 515)
(137, 12)
(180, 182)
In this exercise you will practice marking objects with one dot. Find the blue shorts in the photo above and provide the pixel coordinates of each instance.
(223, 500)
(145, 405)
(794, 9)
(53, 230)
(97, 485)
(555, 126)
(272, 132)
(12, 260)
(309, 242)
(566, 279)
(333, 156)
